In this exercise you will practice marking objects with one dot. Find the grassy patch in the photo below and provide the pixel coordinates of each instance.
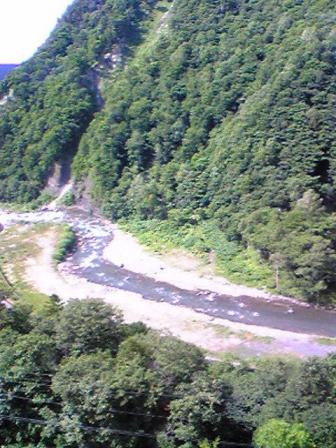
(44, 198)
(222, 331)
(247, 336)
(66, 243)
(264, 339)
(13, 207)
(226, 332)
(16, 245)
(38, 301)
(325, 341)
(152, 28)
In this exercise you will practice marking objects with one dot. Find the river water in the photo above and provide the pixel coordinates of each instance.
(94, 234)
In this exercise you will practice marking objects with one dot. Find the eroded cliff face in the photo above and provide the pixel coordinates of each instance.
(4, 99)
(102, 70)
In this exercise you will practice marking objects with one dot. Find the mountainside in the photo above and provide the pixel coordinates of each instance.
(5, 69)
(213, 118)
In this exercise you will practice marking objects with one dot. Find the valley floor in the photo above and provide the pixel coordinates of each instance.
(216, 336)
(30, 250)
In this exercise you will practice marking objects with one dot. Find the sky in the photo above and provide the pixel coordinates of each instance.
(25, 25)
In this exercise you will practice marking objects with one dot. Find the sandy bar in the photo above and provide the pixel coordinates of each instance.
(182, 272)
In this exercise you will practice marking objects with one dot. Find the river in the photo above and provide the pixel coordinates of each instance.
(95, 233)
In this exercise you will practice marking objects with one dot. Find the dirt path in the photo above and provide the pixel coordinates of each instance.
(212, 334)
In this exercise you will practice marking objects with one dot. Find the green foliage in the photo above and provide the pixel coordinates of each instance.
(222, 120)
(69, 199)
(299, 245)
(44, 198)
(291, 391)
(225, 122)
(66, 244)
(206, 241)
(53, 97)
(18, 318)
(321, 422)
(280, 434)
(77, 376)
(200, 412)
(207, 444)
(88, 326)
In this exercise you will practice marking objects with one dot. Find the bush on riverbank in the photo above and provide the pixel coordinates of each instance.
(65, 245)
(68, 200)
(206, 241)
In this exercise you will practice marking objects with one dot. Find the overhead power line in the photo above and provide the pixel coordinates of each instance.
(84, 427)
(125, 391)
(129, 392)
(120, 432)
(9, 395)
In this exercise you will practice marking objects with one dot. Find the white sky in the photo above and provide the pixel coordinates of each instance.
(25, 25)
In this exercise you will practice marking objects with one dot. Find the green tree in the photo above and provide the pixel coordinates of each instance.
(88, 325)
(82, 385)
(207, 444)
(200, 412)
(27, 363)
(321, 421)
(280, 434)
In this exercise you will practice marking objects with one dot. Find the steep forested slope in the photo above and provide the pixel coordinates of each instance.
(224, 119)
(54, 96)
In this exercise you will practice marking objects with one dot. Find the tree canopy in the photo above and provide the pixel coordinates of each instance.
(102, 383)
(280, 434)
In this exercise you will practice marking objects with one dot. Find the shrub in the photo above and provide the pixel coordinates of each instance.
(65, 245)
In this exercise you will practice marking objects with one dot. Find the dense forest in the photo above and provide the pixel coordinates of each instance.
(218, 125)
(78, 376)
